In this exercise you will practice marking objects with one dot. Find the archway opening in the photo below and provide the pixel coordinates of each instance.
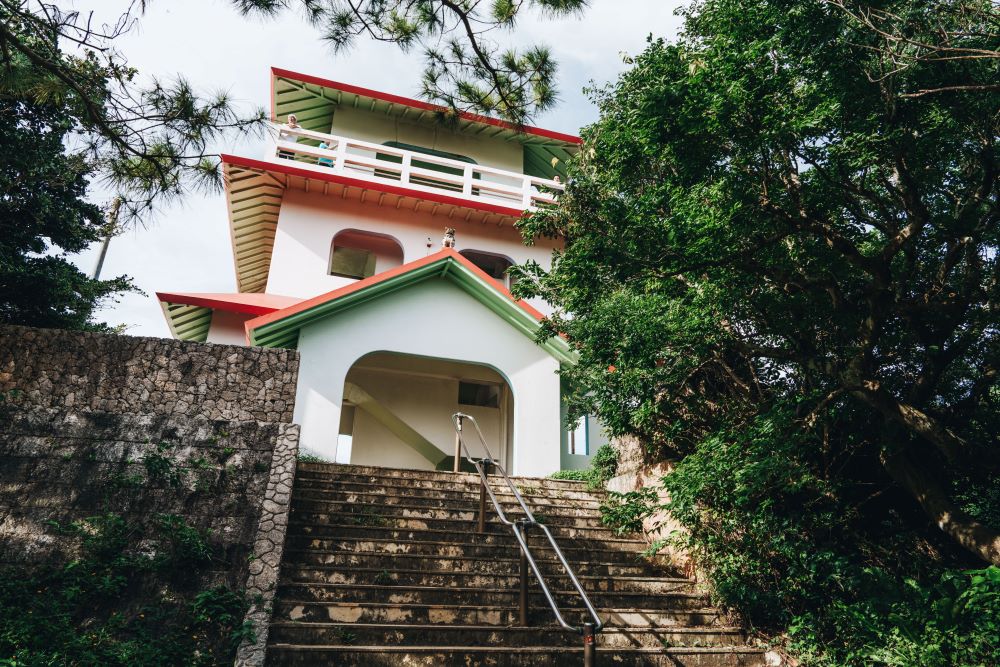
(357, 254)
(397, 411)
(494, 265)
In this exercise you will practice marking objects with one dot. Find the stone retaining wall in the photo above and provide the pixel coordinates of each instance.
(83, 416)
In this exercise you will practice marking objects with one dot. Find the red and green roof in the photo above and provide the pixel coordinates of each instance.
(189, 314)
(281, 328)
(313, 100)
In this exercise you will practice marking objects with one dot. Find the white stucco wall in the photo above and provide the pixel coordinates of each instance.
(227, 328)
(433, 319)
(308, 222)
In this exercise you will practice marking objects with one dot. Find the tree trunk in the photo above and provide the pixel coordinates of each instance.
(914, 421)
(976, 537)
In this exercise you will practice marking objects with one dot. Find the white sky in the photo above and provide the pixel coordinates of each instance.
(186, 247)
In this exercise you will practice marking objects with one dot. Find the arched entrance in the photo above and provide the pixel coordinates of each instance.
(397, 411)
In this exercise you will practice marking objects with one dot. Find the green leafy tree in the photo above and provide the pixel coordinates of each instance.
(792, 214)
(43, 216)
(465, 68)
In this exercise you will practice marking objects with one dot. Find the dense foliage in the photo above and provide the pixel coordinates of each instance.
(465, 67)
(781, 265)
(126, 600)
(43, 216)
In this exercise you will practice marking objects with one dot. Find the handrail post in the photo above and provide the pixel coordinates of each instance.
(589, 648)
(524, 589)
(482, 497)
(458, 443)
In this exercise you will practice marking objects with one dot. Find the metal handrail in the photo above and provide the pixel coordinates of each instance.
(518, 528)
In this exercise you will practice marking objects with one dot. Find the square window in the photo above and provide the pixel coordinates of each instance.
(352, 262)
(480, 394)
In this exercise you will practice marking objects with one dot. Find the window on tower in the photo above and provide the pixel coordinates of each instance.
(495, 266)
(357, 254)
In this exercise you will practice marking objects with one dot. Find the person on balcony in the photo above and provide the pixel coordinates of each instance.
(324, 161)
(288, 133)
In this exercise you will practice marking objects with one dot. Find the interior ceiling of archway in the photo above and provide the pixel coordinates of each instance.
(408, 363)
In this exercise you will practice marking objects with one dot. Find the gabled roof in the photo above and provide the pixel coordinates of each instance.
(281, 328)
(288, 89)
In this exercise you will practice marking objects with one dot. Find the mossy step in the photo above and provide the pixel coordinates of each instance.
(495, 582)
(289, 655)
(401, 486)
(494, 535)
(682, 594)
(402, 634)
(507, 614)
(552, 517)
(436, 498)
(431, 564)
(341, 470)
(302, 522)
(540, 550)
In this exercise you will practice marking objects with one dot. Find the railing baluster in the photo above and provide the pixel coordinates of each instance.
(467, 180)
(404, 173)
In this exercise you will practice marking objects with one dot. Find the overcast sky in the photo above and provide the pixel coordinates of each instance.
(186, 247)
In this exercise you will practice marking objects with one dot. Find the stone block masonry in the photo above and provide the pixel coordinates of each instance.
(84, 372)
(82, 415)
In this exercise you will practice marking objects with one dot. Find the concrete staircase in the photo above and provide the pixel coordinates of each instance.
(385, 567)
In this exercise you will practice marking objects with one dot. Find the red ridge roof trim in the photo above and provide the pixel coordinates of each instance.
(445, 253)
(416, 104)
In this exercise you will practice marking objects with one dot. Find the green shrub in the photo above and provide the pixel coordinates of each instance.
(605, 463)
(625, 512)
(112, 605)
(788, 549)
(572, 475)
(603, 467)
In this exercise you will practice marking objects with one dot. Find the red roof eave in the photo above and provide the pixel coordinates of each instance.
(445, 253)
(416, 104)
(291, 170)
(234, 303)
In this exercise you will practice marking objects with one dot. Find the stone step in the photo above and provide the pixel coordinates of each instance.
(540, 549)
(554, 517)
(341, 471)
(492, 565)
(399, 505)
(399, 634)
(540, 614)
(282, 655)
(683, 594)
(304, 521)
(342, 535)
(402, 487)
(494, 535)
(434, 498)
(497, 582)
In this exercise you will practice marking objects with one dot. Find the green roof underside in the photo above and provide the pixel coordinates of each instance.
(188, 322)
(285, 332)
(314, 107)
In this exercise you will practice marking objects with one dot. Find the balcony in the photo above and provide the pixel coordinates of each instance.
(408, 173)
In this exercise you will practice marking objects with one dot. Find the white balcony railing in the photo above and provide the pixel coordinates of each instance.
(416, 171)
